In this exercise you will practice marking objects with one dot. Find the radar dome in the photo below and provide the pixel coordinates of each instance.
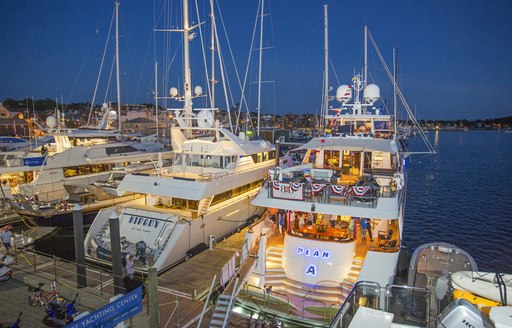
(51, 121)
(112, 115)
(371, 93)
(173, 92)
(344, 93)
(198, 90)
(205, 119)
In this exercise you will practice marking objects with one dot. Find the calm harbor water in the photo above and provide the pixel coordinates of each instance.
(462, 195)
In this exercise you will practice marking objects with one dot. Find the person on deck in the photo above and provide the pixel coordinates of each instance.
(302, 219)
(364, 227)
(280, 218)
(370, 230)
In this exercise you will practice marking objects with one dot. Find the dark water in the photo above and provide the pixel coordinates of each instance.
(463, 196)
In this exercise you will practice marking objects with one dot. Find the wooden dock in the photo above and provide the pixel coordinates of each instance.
(180, 289)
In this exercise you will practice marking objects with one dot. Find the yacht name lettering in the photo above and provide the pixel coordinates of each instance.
(311, 270)
(314, 253)
(143, 221)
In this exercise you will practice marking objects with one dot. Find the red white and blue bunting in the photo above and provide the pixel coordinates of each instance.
(317, 187)
(360, 191)
(339, 190)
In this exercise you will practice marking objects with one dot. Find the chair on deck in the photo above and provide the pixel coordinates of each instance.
(388, 244)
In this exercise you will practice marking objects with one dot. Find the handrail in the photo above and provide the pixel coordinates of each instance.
(313, 301)
(502, 287)
(227, 174)
(287, 300)
(343, 308)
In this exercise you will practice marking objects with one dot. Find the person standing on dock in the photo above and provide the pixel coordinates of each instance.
(130, 266)
(6, 237)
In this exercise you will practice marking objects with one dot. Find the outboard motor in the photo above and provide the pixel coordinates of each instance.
(461, 313)
(140, 247)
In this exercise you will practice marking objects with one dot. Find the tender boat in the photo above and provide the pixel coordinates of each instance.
(13, 143)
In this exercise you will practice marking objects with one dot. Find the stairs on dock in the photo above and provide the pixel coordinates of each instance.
(222, 311)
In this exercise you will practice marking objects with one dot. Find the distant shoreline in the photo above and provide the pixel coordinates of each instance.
(468, 129)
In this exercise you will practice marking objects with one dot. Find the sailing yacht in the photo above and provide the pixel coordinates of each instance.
(204, 196)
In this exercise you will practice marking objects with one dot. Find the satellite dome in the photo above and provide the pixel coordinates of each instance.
(173, 92)
(344, 93)
(198, 90)
(205, 119)
(51, 121)
(371, 93)
(112, 115)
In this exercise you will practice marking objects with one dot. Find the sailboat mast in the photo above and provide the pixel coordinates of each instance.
(117, 68)
(212, 101)
(260, 63)
(156, 99)
(395, 72)
(326, 65)
(186, 64)
(365, 69)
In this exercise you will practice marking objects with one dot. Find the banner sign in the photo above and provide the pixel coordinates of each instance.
(34, 161)
(113, 313)
(287, 190)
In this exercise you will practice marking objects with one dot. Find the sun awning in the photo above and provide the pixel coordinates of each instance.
(355, 144)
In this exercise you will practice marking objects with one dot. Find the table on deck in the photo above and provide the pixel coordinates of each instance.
(328, 234)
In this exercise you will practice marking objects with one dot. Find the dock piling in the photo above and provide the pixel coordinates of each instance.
(115, 242)
(78, 229)
(154, 320)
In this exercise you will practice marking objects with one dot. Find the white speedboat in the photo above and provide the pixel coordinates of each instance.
(431, 298)
(204, 196)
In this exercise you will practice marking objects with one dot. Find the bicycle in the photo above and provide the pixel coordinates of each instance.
(39, 297)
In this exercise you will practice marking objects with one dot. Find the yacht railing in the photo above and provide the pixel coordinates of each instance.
(264, 300)
(210, 176)
(324, 306)
(331, 193)
(409, 305)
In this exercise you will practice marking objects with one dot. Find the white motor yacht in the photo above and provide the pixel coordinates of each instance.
(204, 196)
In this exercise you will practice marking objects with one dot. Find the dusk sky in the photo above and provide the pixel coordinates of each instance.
(455, 57)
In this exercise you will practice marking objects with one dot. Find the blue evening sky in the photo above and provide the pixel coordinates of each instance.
(455, 57)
